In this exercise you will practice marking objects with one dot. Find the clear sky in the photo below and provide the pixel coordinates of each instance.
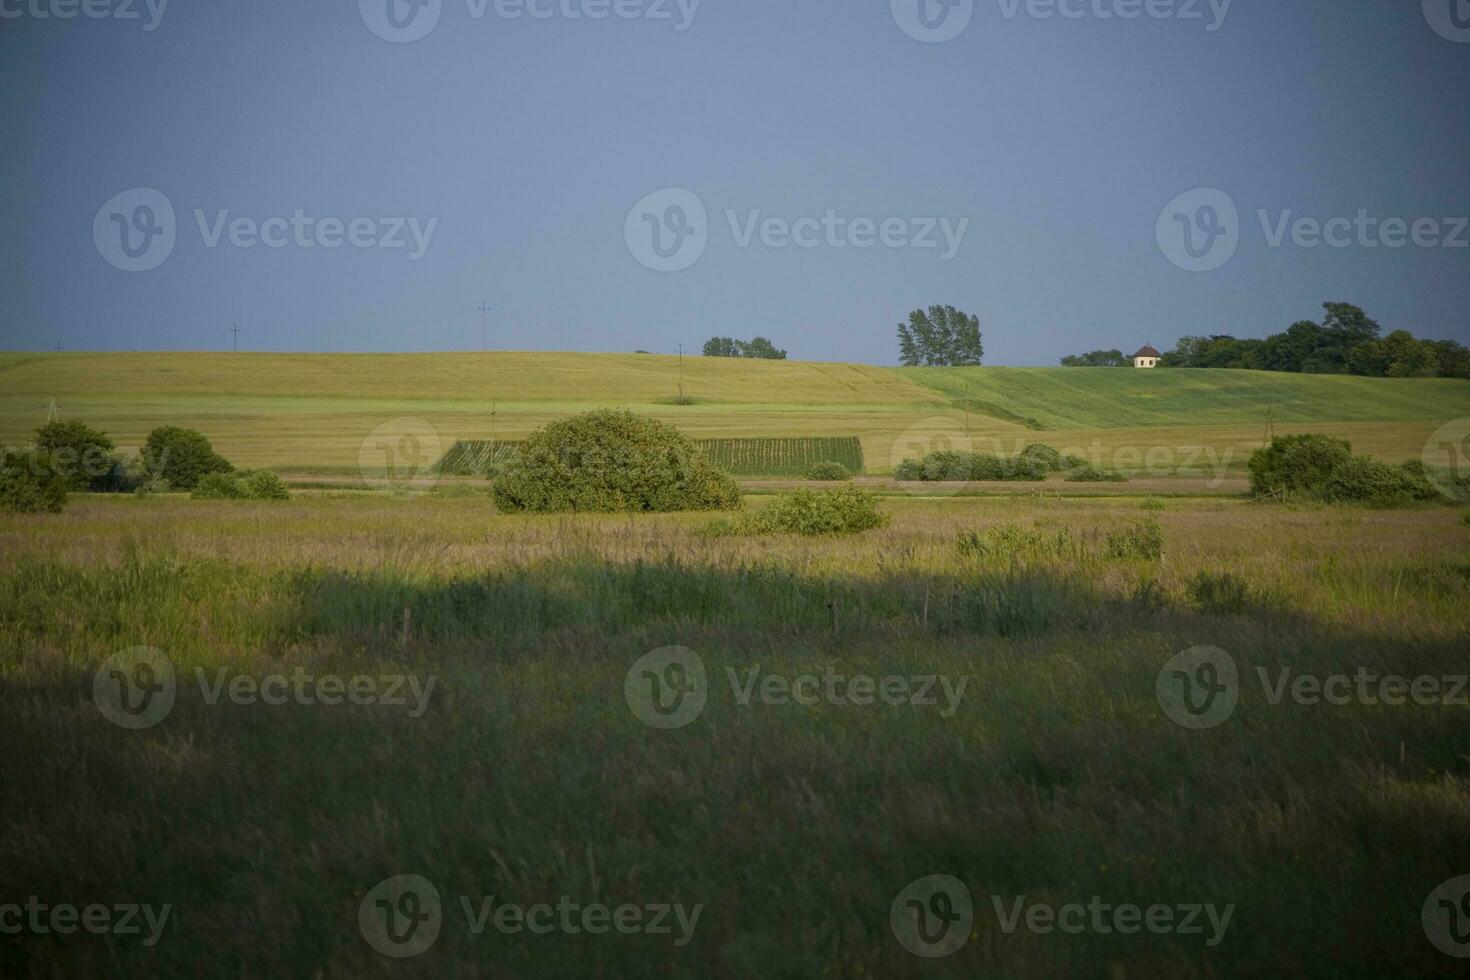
(521, 149)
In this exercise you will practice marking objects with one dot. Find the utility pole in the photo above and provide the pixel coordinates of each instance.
(681, 374)
(484, 308)
(236, 331)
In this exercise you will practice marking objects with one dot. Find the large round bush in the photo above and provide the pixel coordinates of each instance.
(1299, 463)
(182, 457)
(610, 461)
(77, 453)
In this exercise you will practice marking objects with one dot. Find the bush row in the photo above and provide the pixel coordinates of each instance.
(1320, 467)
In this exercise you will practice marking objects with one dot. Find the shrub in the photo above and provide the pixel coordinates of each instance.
(951, 465)
(218, 486)
(28, 485)
(1365, 480)
(1086, 473)
(1223, 593)
(1141, 541)
(264, 485)
(1297, 464)
(828, 471)
(612, 461)
(909, 469)
(182, 456)
(1045, 455)
(1071, 461)
(1015, 542)
(77, 453)
(245, 485)
(847, 510)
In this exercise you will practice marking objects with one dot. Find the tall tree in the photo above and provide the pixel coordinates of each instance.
(759, 347)
(721, 347)
(942, 336)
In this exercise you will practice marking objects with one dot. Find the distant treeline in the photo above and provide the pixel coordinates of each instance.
(1347, 341)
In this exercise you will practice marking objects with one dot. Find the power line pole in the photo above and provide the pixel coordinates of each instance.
(236, 331)
(484, 308)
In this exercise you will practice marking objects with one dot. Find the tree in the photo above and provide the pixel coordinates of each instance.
(721, 347)
(76, 452)
(941, 337)
(757, 347)
(1097, 358)
(760, 347)
(1408, 357)
(181, 456)
(1453, 357)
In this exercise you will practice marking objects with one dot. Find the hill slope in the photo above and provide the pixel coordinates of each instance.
(1084, 398)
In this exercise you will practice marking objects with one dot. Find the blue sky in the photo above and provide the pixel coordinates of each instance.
(530, 153)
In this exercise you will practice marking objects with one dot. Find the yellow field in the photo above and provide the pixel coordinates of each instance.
(316, 412)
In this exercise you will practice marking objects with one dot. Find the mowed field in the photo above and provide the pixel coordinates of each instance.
(315, 413)
(1041, 770)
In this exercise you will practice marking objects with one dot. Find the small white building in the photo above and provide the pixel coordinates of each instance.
(1146, 358)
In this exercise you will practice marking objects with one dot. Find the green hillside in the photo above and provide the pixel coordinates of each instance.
(1083, 398)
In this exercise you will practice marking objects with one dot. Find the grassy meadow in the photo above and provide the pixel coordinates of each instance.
(1057, 775)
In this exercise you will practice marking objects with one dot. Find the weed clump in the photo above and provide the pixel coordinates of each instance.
(1225, 593)
(847, 510)
(1141, 541)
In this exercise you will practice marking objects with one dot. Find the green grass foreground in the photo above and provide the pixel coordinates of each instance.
(1057, 776)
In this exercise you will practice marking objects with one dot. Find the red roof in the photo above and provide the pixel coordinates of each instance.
(1147, 351)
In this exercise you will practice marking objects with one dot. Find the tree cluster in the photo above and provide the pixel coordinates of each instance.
(942, 336)
(758, 347)
(1097, 358)
(1347, 341)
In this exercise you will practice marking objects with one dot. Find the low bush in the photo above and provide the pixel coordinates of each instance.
(1072, 461)
(1087, 473)
(909, 469)
(246, 485)
(847, 510)
(1220, 594)
(949, 465)
(28, 485)
(264, 485)
(1362, 479)
(612, 461)
(183, 457)
(1322, 468)
(1142, 541)
(828, 471)
(1045, 455)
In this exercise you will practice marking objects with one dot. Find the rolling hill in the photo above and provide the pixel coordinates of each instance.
(313, 412)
